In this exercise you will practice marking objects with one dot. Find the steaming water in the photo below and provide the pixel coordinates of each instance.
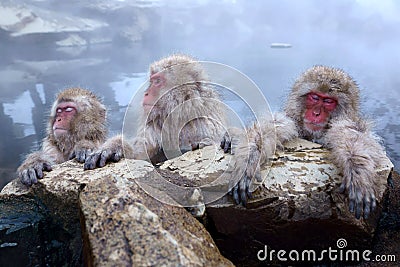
(106, 46)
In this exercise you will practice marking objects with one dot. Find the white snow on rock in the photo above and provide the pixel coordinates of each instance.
(22, 20)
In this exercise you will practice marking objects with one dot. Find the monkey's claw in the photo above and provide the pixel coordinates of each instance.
(30, 175)
(362, 200)
(80, 155)
(226, 143)
(91, 161)
(100, 158)
(241, 191)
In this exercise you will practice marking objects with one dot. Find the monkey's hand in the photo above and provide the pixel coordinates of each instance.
(360, 191)
(32, 169)
(82, 150)
(111, 151)
(231, 139)
(241, 191)
(235, 141)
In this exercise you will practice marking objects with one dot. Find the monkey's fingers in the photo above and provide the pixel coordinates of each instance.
(226, 143)
(105, 156)
(91, 161)
(81, 155)
(257, 175)
(195, 146)
(116, 157)
(72, 155)
(369, 204)
(32, 176)
(24, 178)
(236, 194)
(248, 192)
(346, 184)
(358, 205)
(47, 167)
(361, 201)
(241, 192)
(245, 192)
(39, 172)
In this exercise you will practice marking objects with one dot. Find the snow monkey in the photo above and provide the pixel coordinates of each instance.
(76, 127)
(323, 107)
(179, 99)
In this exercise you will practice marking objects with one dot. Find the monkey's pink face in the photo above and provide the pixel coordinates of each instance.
(318, 110)
(152, 94)
(65, 113)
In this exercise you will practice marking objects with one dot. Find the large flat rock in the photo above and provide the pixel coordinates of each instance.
(297, 206)
(121, 225)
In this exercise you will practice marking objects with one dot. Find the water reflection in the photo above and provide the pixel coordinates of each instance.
(106, 46)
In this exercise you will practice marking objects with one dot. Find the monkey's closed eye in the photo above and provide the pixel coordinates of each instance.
(329, 101)
(314, 97)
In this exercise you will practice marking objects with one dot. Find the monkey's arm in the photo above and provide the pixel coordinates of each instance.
(254, 147)
(357, 153)
(145, 145)
(32, 168)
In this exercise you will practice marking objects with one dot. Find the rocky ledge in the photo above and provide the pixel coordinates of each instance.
(129, 213)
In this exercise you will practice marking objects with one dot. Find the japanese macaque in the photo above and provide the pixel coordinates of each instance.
(179, 110)
(76, 127)
(323, 107)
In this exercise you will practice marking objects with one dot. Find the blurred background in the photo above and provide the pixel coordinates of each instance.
(107, 45)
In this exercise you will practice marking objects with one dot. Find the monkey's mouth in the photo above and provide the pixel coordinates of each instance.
(314, 126)
(59, 131)
(148, 107)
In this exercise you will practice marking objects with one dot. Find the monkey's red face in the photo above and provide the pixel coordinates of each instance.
(151, 95)
(65, 113)
(318, 109)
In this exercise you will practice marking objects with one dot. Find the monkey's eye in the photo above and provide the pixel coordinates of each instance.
(329, 101)
(69, 109)
(313, 97)
(157, 80)
(59, 110)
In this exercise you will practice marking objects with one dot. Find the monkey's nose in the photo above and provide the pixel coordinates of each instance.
(317, 110)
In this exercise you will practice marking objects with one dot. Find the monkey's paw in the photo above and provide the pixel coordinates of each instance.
(241, 191)
(30, 173)
(101, 157)
(249, 168)
(231, 139)
(361, 196)
(81, 154)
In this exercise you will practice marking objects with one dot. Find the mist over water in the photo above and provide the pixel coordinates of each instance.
(106, 46)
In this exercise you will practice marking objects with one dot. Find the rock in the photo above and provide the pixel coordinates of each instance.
(121, 224)
(124, 226)
(297, 206)
(25, 19)
(130, 213)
